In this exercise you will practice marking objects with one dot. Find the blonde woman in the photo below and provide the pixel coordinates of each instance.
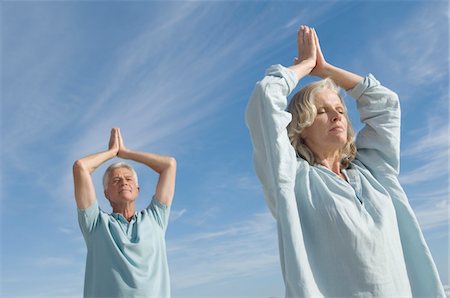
(345, 226)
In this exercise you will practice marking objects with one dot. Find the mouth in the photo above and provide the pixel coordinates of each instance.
(337, 129)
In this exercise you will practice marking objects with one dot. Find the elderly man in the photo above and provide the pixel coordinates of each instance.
(126, 253)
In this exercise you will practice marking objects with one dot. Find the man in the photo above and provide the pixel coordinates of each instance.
(126, 254)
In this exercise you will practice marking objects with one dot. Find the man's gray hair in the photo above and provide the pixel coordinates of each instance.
(115, 166)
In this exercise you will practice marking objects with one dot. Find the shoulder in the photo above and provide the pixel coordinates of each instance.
(156, 212)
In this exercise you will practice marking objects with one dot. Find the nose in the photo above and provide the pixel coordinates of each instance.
(336, 116)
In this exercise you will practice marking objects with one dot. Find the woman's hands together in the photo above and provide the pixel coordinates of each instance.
(306, 46)
(310, 59)
(321, 64)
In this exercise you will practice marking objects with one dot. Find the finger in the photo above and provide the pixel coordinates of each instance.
(305, 35)
(120, 138)
(300, 34)
(112, 138)
(311, 37)
(316, 40)
(115, 131)
(113, 135)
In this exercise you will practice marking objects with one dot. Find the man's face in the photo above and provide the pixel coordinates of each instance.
(121, 186)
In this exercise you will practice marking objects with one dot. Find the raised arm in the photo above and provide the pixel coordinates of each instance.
(378, 142)
(84, 167)
(274, 157)
(165, 166)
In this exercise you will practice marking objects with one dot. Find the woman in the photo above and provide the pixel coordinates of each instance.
(345, 226)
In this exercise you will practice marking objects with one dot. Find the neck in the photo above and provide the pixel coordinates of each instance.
(127, 210)
(331, 160)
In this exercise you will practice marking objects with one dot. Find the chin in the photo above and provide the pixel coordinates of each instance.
(339, 141)
(128, 198)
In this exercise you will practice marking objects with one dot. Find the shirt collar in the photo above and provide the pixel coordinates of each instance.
(122, 218)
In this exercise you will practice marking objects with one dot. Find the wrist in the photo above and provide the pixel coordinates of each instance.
(326, 71)
(303, 68)
(112, 153)
(124, 153)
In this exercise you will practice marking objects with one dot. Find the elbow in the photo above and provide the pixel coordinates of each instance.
(394, 97)
(171, 162)
(391, 98)
(169, 166)
(254, 103)
(79, 166)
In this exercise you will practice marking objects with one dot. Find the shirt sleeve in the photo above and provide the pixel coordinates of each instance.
(378, 143)
(274, 157)
(88, 218)
(378, 146)
(160, 212)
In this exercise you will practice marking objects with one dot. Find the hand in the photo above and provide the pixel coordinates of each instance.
(114, 141)
(307, 52)
(321, 64)
(306, 45)
(122, 149)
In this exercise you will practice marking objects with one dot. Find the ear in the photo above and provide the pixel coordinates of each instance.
(139, 189)
(106, 194)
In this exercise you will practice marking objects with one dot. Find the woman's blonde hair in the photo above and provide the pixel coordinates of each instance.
(303, 111)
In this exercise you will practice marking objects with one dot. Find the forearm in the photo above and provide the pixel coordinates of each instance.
(345, 79)
(378, 142)
(156, 162)
(82, 169)
(302, 69)
(91, 162)
(267, 119)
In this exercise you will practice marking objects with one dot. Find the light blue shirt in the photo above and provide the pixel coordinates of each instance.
(126, 259)
(349, 239)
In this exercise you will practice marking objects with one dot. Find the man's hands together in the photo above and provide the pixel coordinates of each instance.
(116, 144)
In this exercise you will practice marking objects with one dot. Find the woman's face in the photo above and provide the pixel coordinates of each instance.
(329, 129)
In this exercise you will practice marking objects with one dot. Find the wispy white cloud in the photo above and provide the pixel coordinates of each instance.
(177, 214)
(222, 180)
(435, 139)
(313, 17)
(417, 54)
(432, 208)
(432, 168)
(434, 215)
(53, 261)
(430, 147)
(229, 251)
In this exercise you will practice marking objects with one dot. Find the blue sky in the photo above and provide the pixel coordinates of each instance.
(176, 77)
